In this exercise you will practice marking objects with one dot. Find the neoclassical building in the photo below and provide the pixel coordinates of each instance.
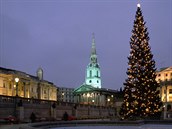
(164, 78)
(21, 84)
(91, 91)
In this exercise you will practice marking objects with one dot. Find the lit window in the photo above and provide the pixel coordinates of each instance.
(170, 91)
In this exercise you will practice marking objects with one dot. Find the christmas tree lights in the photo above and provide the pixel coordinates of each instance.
(141, 98)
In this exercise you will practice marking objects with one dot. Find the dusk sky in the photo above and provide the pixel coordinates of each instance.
(56, 35)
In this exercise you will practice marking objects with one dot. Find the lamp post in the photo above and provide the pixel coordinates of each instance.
(16, 80)
(15, 110)
(108, 101)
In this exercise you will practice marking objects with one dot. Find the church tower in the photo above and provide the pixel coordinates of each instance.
(93, 69)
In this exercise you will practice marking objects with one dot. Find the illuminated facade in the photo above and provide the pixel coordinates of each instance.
(27, 86)
(93, 69)
(91, 91)
(164, 78)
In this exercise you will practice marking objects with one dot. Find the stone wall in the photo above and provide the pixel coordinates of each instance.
(44, 110)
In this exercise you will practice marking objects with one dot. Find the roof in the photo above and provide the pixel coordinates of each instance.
(11, 71)
(88, 88)
(165, 69)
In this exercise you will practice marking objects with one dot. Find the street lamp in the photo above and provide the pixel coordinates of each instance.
(16, 80)
(108, 101)
(93, 101)
(15, 110)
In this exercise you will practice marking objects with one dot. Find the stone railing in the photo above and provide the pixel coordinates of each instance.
(7, 99)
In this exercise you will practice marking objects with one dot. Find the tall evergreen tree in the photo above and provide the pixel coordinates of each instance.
(141, 97)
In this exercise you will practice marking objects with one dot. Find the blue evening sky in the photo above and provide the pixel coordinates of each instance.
(56, 35)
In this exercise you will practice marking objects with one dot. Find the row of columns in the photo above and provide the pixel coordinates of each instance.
(92, 98)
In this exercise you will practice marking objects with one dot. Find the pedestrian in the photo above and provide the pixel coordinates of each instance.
(32, 117)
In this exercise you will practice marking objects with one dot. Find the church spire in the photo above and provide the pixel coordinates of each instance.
(93, 76)
(93, 50)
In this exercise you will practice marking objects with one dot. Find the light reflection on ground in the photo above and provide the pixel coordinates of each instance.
(146, 126)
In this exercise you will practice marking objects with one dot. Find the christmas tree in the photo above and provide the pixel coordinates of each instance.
(141, 97)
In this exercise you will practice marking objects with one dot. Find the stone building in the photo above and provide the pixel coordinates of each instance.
(91, 91)
(65, 94)
(164, 78)
(21, 84)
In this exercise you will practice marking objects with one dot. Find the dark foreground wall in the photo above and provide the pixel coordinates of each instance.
(48, 110)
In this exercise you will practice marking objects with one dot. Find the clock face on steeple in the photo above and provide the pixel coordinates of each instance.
(93, 69)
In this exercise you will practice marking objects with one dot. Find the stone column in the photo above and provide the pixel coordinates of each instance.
(24, 86)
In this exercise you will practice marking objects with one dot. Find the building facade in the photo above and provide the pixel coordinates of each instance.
(93, 69)
(21, 84)
(65, 94)
(164, 78)
(91, 91)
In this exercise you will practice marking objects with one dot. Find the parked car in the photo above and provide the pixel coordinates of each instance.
(71, 118)
(11, 119)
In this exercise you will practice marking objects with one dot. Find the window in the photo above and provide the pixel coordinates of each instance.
(10, 86)
(97, 73)
(166, 74)
(3, 85)
(170, 91)
(90, 81)
(97, 81)
(90, 73)
(168, 107)
(159, 75)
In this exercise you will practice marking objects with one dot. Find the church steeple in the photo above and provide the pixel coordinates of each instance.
(93, 51)
(93, 70)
